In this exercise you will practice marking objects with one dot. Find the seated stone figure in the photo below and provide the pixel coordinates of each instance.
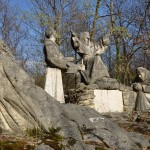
(142, 86)
(96, 72)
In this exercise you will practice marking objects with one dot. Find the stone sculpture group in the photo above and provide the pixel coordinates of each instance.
(25, 107)
(90, 71)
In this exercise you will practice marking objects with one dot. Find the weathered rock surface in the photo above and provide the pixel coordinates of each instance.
(43, 147)
(129, 98)
(23, 105)
(82, 97)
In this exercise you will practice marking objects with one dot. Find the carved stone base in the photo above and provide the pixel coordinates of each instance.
(81, 97)
(86, 99)
(100, 100)
(53, 84)
(108, 101)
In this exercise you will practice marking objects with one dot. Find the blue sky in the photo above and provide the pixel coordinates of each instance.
(23, 4)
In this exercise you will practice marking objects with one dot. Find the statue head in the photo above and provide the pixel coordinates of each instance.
(141, 72)
(85, 37)
(50, 33)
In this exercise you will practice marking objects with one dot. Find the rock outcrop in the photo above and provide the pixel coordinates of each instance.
(23, 105)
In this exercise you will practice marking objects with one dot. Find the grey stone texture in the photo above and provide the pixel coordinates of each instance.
(23, 105)
(81, 97)
(129, 98)
(107, 83)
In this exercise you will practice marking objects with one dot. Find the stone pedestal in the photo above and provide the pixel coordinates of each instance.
(53, 84)
(104, 100)
(108, 101)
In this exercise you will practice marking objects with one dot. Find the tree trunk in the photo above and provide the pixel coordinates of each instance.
(95, 19)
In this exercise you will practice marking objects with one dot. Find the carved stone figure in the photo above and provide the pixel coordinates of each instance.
(142, 86)
(95, 69)
(55, 63)
(90, 53)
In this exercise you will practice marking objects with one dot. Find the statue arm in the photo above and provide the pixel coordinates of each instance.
(137, 86)
(53, 57)
(74, 68)
(75, 42)
(146, 88)
(58, 63)
(141, 87)
(99, 48)
(102, 45)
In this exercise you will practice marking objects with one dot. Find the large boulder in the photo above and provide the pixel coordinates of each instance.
(24, 106)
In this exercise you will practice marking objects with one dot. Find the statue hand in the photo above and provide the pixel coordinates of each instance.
(81, 67)
(137, 86)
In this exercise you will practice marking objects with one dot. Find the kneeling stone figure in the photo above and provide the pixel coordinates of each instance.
(141, 85)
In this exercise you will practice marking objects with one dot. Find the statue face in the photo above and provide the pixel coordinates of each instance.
(87, 40)
(52, 37)
(141, 73)
(85, 36)
(50, 33)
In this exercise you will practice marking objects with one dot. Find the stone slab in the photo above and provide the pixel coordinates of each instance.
(108, 101)
(53, 84)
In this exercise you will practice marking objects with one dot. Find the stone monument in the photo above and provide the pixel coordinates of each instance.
(141, 85)
(95, 76)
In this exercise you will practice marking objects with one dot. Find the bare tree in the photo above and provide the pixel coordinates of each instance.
(11, 26)
(127, 23)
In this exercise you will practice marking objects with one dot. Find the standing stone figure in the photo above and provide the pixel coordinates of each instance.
(55, 63)
(90, 52)
(142, 86)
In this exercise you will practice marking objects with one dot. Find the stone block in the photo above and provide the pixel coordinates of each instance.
(53, 84)
(129, 98)
(108, 101)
